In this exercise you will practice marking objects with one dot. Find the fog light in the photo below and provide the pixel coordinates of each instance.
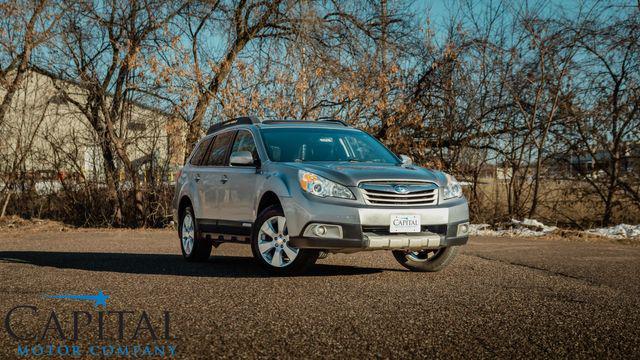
(463, 229)
(323, 231)
(320, 230)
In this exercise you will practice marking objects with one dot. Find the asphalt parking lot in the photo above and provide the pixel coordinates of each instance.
(502, 297)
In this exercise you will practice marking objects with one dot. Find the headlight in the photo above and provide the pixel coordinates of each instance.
(322, 187)
(452, 189)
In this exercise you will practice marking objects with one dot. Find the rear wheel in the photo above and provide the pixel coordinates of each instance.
(427, 260)
(193, 247)
(270, 245)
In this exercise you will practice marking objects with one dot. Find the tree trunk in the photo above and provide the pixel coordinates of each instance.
(23, 64)
(536, 187)
(10, 92)
(4, 206)
(195, 125)
(109, 167)
(110, 175)
(140, 210)
(612, 186)
(138, 196)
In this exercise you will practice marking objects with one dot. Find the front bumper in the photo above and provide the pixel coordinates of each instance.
(366, 228)
(376, 241)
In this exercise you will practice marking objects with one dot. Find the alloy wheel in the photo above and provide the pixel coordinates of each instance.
(273, 242)
(422, 255)
(188, 233)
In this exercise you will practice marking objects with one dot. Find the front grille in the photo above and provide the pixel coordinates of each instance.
(400, 193)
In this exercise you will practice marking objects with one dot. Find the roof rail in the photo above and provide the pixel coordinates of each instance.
(243, 120)
(310, 122)
(332, 120)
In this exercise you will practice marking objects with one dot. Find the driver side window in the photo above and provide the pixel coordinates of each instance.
(244, 142)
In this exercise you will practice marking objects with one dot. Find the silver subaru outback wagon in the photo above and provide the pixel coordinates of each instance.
(299, 190)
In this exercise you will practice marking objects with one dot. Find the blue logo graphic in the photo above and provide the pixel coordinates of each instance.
(100, 299)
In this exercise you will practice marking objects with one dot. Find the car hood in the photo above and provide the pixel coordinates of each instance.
(351, 174)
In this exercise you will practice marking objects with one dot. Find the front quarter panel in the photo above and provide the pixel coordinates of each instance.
(276, 180)
(282, 181)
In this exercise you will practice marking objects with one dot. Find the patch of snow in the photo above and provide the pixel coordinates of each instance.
(526, 227)
(528, 222)
(481, 229)
(532, 227)
(535, 226)
(622, 231)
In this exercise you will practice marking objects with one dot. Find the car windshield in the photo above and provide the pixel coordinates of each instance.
(322, 144)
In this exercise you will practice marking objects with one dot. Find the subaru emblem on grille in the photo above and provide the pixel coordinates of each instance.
(400, 189)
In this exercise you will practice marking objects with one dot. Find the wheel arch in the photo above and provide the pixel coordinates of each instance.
(184, 202)
(267, 199)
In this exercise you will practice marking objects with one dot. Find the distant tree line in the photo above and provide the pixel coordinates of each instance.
(511, 97)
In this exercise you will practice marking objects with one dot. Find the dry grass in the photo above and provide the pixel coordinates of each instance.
(563, 203)
(9, 223)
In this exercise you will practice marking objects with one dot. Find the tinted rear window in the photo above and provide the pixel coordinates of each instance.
(217, 155)
(199, 153)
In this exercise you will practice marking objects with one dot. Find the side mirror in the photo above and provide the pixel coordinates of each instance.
(406, 160)
(241, 158)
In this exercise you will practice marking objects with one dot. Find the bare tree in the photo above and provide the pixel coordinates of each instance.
(19, 150)
(25, 25)
(248, 20)
(106, 46)
(605, 112)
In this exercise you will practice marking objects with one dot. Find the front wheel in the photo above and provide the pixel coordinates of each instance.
(270, 245)
(428, 260)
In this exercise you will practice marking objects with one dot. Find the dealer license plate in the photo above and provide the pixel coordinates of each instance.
(404, 224)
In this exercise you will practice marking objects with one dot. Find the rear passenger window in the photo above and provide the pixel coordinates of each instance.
(217, 155)
(199, 153)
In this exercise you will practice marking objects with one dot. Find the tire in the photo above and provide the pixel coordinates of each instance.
(269, 244)
(426, 260)
(194, 248)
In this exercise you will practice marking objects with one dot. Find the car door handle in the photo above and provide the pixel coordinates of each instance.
(197, 177)
(224, 179)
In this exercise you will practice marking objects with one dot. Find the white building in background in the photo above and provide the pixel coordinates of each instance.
(55, 139)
